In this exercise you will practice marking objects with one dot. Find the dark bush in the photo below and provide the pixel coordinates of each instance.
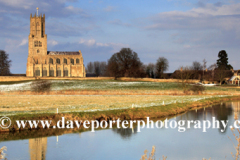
(197, 88)
(41, 86)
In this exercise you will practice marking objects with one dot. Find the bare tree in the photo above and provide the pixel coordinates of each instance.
(5, 63)
(204, 66)
(150, 69)
(103, 67)
(161, 66)
(96, 68)
(125, 63)
(184, 74)
(90, 67)
(212, 69)
(197, 66)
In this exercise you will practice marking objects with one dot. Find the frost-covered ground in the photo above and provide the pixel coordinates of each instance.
(15, 87)
(10, 105)
(91, 85)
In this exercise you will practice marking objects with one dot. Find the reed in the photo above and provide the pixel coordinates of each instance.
(2, 154)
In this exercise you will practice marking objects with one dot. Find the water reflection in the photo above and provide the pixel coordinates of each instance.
(220, 112)
(38, 148)
(125, 133)
(167, 141)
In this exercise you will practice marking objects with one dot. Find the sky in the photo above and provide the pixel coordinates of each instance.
(182, 31)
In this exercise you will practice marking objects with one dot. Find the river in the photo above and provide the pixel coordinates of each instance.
(128, 144)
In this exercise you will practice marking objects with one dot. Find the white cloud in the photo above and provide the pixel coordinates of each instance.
(89, 42)
(224, 17)
(92, 42)
(52, 42)
(24, 41)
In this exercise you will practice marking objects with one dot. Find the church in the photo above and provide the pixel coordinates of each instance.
(44, 63)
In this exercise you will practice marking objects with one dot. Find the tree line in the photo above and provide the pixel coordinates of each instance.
(126, 63)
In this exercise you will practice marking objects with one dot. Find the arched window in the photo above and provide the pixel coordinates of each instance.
(65, 72)
(50, 61)
(37, 72)
(51, 72)
(58, 61)
(38, 51)
(72, 61)
(59, 72)
(65, 61)
(77, 61)
(44, 72)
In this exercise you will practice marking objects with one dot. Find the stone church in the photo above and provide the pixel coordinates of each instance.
(43, 63)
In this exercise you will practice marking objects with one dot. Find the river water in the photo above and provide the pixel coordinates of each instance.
(128, 144)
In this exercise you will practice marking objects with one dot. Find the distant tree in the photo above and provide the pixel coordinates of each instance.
(125, 63)
(184, 74)
(103, 67)
(150, 69)
(212, 69)
(221, 74)
(197, 66)
(204, 67)
(161, 66)
(222, 62)
(5, 63)
(90, 67)
(96, 67)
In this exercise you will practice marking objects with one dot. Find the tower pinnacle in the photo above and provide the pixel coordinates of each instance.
(37, 11)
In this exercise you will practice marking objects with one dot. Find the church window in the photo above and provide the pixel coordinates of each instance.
(58, 61)
(38, 51)
(77, 61)
(65, 73)
(40, 44)
(65, 61)
(37, 71)
(59, 72)
(44, 72)
(51, 73)
(35, 43)
(50, 61)
(72, 61)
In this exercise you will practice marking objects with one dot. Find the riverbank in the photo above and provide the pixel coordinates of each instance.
(123, 114)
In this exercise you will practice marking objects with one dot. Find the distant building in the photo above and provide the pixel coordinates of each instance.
(235, 78)
(43, 63)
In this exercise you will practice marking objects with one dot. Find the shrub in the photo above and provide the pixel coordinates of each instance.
(41, 86)
(197, 88)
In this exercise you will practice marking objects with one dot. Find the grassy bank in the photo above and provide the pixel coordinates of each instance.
(38, 104)
(108, 86)
(123, 114)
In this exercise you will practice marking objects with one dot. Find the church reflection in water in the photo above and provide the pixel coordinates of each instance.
(38, 148)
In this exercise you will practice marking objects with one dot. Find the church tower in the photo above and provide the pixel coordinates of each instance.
(37, 40)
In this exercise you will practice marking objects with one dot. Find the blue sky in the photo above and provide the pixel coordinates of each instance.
(182, 31)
